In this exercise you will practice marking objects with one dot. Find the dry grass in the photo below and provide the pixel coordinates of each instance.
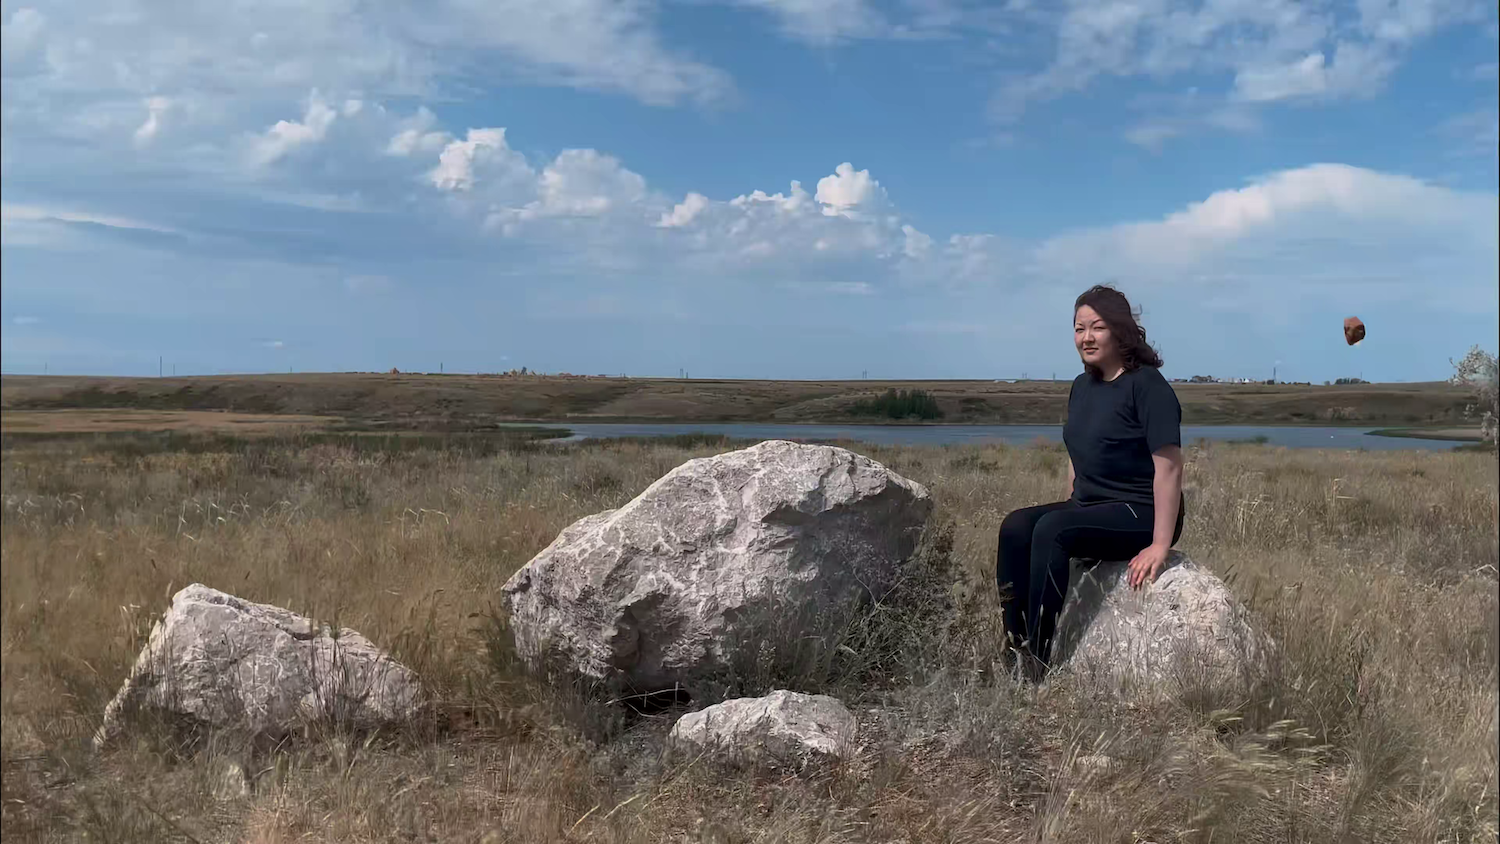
(77, 421)
(1376, 573)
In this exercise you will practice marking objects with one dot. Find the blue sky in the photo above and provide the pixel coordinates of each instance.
(750, 188)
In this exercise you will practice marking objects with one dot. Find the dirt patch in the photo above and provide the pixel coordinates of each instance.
(198, 421)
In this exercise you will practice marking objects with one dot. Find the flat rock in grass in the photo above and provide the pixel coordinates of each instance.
(1186, 630)
(223, 662)
(718, 560)
(781, 726)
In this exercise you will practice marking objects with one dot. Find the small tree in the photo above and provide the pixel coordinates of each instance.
(1479, 372)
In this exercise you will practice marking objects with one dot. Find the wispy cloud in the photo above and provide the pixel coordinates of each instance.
(12, 213)
(156, 110)
(1277, 51)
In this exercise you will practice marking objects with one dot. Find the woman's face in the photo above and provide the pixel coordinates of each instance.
(1096, 345)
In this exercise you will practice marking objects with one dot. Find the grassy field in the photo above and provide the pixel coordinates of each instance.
(1375, 571)
(474, 402)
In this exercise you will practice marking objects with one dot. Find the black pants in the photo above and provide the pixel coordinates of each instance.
(1035, 546)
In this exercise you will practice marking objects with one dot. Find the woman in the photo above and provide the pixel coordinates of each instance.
(1123, 436)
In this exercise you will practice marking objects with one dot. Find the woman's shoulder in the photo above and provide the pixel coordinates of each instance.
(1151, 375)
(1151, 388)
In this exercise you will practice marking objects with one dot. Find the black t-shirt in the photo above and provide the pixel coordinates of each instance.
(1112, 430)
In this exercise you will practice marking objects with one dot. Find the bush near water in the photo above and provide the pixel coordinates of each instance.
(900, 404)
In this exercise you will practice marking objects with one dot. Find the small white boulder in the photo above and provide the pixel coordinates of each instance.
(781, 726)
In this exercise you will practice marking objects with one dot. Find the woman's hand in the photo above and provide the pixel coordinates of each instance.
(1147, 565)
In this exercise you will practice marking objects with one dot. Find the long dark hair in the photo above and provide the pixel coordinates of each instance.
(1112, 307)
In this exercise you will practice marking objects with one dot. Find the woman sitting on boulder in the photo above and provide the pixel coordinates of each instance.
(1123, 436)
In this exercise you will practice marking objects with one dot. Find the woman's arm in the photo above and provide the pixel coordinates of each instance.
(1071, 479)
(1166, 490)
(1161, 416)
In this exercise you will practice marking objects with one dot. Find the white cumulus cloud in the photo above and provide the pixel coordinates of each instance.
(683, 213)
(792, 202)
(459, 159)
(917, 244)
(585, 183)
(847, 191)
(1297, 230)
(287, 135)
(416, 135)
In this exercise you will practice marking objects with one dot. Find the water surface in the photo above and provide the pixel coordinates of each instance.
(1273, 435)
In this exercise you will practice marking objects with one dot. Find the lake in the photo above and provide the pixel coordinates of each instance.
(1288, 436)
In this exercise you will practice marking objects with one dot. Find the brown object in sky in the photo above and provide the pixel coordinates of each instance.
(1354, 330)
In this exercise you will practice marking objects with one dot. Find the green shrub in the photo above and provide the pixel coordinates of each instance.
(900, 404)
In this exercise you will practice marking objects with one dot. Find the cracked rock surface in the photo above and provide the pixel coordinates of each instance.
(1187, 627)
(229, 663)
(715, 559)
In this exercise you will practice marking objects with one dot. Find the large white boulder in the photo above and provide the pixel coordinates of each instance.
(713, 562)
(1184, 630)
(783, 726)
(229, 663)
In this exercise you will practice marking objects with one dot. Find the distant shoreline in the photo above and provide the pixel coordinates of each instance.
(467, 402)
(105, 424)
(894, 423)
(1466, 435)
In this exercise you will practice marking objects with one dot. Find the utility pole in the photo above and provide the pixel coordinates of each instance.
(159, 360)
